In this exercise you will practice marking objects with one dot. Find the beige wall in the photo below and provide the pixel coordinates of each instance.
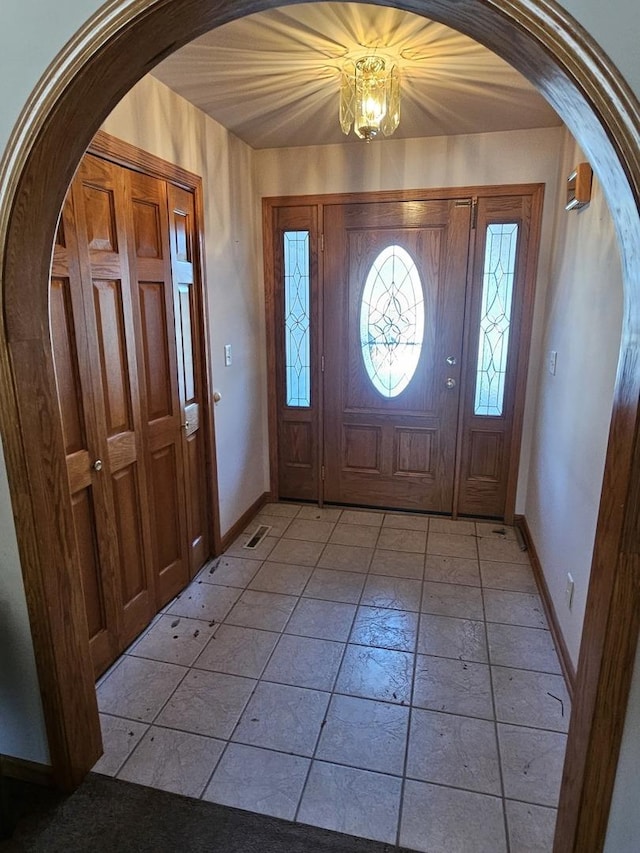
(155, 119)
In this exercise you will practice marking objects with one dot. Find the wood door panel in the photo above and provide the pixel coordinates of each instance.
(167, 538)
(155, 346)
(396, 451)
(63, 335)
(126, 496)
(84, 520)
(147, 229)
(297, 444)
(100, 220)
(113, 356)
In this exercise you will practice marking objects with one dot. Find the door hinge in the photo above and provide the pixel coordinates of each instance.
(322, 472)
(474, 213)
(321, 364)
(322, 242)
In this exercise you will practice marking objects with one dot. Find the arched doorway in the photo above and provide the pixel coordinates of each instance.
(545, 45)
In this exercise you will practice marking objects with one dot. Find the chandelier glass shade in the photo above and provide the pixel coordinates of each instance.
(370, 97)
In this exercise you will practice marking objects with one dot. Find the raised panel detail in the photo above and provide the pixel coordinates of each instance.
(113, 355)
(184, 295)
(182, 235)
(485, 455)
(415, 451)
(60, 239)
(156, 349)
(146, 222)
(297, 444)
(127, 507)
(361, 448)
(99, 206)
(66, 365)
(84, 524)
(165, 507)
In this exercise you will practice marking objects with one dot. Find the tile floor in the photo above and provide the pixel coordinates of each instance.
(385, 675)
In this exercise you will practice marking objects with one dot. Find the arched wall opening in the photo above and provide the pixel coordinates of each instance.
(102, 64)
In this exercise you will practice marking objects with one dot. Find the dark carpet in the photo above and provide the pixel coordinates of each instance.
(106, 815)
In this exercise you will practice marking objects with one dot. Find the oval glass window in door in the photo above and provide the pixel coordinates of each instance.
(392, 321)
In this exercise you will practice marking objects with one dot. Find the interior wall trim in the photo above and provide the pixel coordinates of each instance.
(566, 664)
(98, 66)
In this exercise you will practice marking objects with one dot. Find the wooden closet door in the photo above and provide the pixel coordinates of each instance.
(152, 293)
(91, 498)
(191, 388)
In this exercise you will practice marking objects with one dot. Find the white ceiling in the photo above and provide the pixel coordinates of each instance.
(272, 78)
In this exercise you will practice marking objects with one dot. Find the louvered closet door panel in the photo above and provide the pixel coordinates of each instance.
(90, 497)
(100, 200)
(181, 205)
(152, 292)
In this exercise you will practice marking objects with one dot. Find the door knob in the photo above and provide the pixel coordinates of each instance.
(97, 465)
(450, 383)
(217, 396)
(186, 424)
(451, 359)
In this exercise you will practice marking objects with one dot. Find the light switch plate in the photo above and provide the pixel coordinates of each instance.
(227, 355)
(553, 357)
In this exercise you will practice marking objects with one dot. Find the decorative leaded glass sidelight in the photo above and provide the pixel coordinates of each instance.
(297, 319)
(495, 317)
(392, 321)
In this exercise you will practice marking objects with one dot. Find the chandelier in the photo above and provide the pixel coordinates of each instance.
(370, 97)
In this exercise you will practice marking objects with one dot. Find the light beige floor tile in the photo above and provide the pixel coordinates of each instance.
(205, 601)
(261, 552)
(400, 564)
(405, 521)
(229, 571)
(335, 586)
(385, 628)
(174, 761)
(514, 608)
(501, 550)
(355, 534)
(138, 688)
(495, 530)
(452, 570)
(447, 820)
(376, 674)
(282, 717)
(454, 686)
(360, 516)
(522, 648)
(316, 513)
(350, 558)
(532, 762)
(277, 523)
(326, 620)
(452, 545)
(238, 651)
(413, 541)
(281, 577)
(531, 828)
(297, 551)
(119, 738)
(175, 640)
(452, 750)
(365, 734)
(513, 576)
(396, 593)
(309, 530)
(305, 662)
(258, 780)
(448, 525)
(446, 599)
(535, 699)
(267, 610)
(207, 703)
(356, 802)
(444, 636)
(289, 510)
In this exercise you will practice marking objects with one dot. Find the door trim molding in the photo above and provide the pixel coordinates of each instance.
(99, 64)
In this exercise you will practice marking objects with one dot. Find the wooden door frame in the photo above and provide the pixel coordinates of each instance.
(118, 45)
(269, 207)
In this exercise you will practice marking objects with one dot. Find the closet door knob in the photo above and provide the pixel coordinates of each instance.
(450, 383)
(97, 465)
(186, 424)
(217, 396)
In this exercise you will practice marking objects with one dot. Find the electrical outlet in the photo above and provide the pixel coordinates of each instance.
(568, 592)
(553, 357)
(227, 355)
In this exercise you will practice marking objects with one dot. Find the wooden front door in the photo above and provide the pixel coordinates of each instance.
(394, 298)
(399, 329)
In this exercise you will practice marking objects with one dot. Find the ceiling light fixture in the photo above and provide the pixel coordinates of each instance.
(370, 97)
